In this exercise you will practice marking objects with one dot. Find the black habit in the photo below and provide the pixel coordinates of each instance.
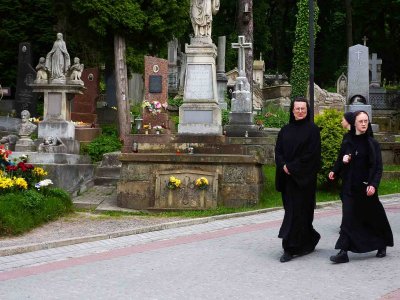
(299, 147)
(365, 226)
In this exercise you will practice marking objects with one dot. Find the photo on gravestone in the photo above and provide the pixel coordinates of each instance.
(155, 83)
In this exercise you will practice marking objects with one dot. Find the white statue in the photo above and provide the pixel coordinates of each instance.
(26, 128)
(201, 12)
(41, 70)
(76, 70)
(58, 60)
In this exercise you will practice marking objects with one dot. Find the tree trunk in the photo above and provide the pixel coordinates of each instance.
(121, 84)
(245, 27)
(349, 23)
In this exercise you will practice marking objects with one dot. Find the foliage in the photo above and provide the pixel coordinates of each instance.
(136, 110)
(22, 211)
(101, 145)
(331, 139)
(272, 117)
(175, 101)
(225, 116)
(300, 65)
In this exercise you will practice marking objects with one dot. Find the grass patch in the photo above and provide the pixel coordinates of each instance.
(391, 167)
(23, 211)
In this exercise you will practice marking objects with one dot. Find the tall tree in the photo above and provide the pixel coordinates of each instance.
(299, 73)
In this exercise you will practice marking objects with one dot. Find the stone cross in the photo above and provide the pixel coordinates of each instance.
(365, 39)
(241, 45)
(374, 63)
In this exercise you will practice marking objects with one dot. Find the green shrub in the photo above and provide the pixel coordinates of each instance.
(272, 117)
(331, 138)
(225, 116)
(22, 211)
(175, 101)
(101, 145)
(109, 129)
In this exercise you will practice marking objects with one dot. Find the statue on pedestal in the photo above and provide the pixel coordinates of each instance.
(58, 60)
(201, 12)
(27, 127)
(41, 71)
(75, 71)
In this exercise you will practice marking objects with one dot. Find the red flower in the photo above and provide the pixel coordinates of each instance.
(29, 166)
(11, 168)
(22, 166)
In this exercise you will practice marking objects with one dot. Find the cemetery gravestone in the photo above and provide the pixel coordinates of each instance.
(156, 90)
(221, 77)
(358, 81)
(24, 97)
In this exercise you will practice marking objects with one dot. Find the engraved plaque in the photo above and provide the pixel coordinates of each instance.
(54, 108)
(198, 116)
(199, 82)
(155, 83)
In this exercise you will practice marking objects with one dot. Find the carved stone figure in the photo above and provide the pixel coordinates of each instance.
(41, 71)
(201, 12)
(52, 145)
(58, 59)
(9, 141)
(26, 128)
(76, 70)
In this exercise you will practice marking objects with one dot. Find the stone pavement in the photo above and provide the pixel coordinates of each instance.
(231, 258)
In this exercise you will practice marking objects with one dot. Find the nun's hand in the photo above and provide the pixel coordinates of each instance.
(285, 169)
(370, 190)
(346, 158)
(331, 175)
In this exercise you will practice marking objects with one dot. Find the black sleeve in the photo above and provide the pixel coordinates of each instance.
(376, 170)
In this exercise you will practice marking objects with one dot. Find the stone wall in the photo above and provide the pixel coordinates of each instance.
(234, 180)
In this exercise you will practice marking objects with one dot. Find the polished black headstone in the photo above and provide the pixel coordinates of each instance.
(24, 97)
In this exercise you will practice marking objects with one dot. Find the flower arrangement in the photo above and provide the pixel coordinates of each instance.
(173, 183)
(158, 128)
(17, 174)
(153, 107)
(43, 183)
(35, 120)
(201, 183)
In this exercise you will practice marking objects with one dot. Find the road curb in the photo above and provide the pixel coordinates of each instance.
(169, 225)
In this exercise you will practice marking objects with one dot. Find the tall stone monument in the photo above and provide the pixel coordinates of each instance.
(222, 80)
(200, 114)
(58, 91)
(241, 116)
(358, 80)
(25, 98)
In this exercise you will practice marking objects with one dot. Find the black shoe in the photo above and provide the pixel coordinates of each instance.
(286, 257)
(340, 258)
(381, 253)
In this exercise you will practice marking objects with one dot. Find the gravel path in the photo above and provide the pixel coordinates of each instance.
(81, 224)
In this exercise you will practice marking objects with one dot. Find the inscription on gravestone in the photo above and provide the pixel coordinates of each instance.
(358, 76)
(199, 82)
(54, 108)
(155, 83)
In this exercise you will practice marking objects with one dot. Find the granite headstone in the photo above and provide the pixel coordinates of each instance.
(24, 97)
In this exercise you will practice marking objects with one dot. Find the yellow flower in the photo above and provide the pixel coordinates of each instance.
(21, 183)
(39, 172)
(6, 183)
(202, 181)
(173, 183)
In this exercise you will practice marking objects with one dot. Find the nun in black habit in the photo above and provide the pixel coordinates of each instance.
(298, 159)
(365, 226)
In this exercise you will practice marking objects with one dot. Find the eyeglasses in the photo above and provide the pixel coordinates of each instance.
(300, 109)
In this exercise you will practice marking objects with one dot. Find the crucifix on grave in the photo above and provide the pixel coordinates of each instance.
(242, 46)
(365, 39)
(375, 64)
(241, 115)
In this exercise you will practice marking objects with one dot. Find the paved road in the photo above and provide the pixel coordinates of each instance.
(236, 258)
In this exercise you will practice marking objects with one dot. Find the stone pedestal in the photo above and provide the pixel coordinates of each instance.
(57, 113)
(222, 82)
(25, 145)
(200, 113)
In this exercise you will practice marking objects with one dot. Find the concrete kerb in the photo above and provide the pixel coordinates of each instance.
(176, 224)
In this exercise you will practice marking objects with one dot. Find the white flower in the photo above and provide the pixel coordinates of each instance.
(45, 182)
